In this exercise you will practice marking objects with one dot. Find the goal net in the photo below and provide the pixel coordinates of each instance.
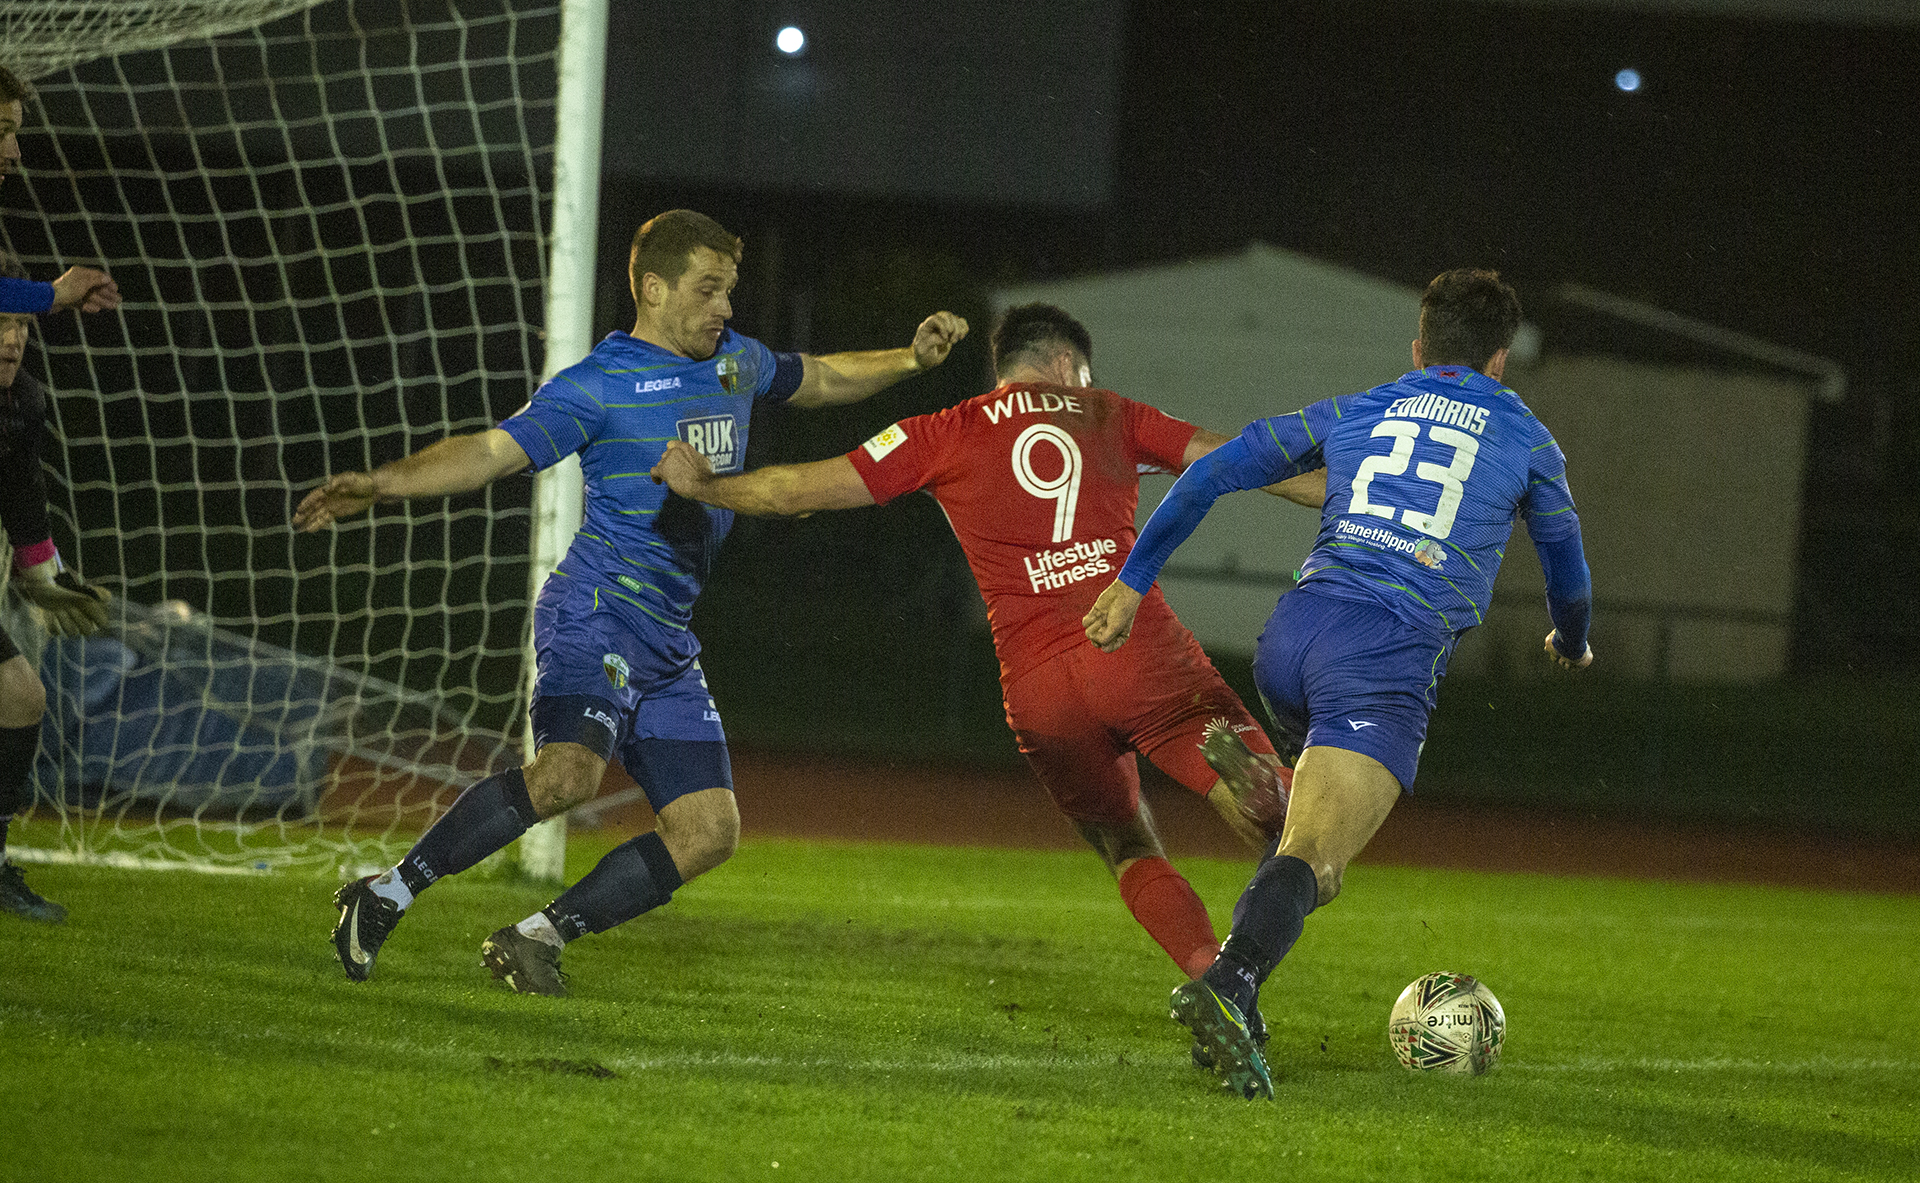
(328, 224)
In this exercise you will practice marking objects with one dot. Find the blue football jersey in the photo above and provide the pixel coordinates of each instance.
(639, 545)
(1426, 476)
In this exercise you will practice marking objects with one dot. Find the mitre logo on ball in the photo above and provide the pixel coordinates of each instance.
(1447, 1022)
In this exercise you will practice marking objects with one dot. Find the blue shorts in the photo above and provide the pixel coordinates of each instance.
(627, 689)
(1348, 674)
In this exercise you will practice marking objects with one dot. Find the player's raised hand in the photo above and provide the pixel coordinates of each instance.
(1110, 621)
(87, 288)
(681, 468)
(1553, 651)
(341, 497)
(936, 337)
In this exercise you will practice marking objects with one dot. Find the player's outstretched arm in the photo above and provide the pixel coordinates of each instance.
(1569, 597)
(457, 464)
(1110, 621)
(836, 378)
(1308, 489)
(87, 288)
(779, 490)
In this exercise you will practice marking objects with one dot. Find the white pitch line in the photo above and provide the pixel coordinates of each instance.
(1141, 1057)
(124, 861)
(1715, 1064)
(869, 1066)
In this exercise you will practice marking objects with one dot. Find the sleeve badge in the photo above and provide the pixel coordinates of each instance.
(885, 442)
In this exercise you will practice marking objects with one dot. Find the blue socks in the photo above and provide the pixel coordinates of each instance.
(1267, 920)
(636, 876)
(486, 817)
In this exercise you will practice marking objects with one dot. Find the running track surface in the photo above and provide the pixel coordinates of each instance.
(822, 797)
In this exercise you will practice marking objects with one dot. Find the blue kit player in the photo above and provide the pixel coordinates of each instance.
(1425, 479)
(617, 664)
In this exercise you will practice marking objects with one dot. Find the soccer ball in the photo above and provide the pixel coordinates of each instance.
(1446, 1022)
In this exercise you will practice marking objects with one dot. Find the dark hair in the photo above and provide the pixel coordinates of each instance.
(1034, 332)
(665, 243)
(1467, 316)
(13, 88)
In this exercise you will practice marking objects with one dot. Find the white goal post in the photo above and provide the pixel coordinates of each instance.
(343, 229)
(559, 496)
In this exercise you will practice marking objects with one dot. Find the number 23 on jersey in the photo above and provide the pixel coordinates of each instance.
(1451, 477)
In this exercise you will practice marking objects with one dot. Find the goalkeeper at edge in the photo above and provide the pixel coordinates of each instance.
(67, 605)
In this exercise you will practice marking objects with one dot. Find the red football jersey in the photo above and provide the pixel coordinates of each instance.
(1040, 484)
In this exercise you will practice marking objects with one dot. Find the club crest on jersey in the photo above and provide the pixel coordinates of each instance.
(1430, 554)
(716, 438)
(617, 670)
(885, 442)
(727, 369)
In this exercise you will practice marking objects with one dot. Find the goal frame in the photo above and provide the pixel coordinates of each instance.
(570, 253)
(558, 495)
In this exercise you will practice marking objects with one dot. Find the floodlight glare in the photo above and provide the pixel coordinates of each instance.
(790, 41)
(1627, 80)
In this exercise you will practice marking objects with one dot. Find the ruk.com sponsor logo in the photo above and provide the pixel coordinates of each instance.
(715, 437)
(1426, 551)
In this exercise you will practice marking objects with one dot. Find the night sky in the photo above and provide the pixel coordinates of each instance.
(1762, 179)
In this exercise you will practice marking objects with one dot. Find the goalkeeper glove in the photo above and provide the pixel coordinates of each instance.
(69, 605)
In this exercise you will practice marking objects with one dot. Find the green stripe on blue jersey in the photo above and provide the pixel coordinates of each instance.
(570, 380)
(1268, 424)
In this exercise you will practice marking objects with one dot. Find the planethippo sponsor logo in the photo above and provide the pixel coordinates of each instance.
(1427, 551)
(1051, 570)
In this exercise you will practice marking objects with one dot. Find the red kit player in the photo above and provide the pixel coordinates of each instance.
(1040, 478)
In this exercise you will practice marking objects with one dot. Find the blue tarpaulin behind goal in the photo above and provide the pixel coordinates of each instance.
(168, 710)
(181, 716)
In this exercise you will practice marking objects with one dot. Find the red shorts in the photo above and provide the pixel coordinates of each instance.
(1082, 715)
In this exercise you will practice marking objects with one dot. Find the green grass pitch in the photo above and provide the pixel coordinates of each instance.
(862, 1012)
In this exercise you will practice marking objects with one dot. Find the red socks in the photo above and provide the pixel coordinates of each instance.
(1164, 903)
